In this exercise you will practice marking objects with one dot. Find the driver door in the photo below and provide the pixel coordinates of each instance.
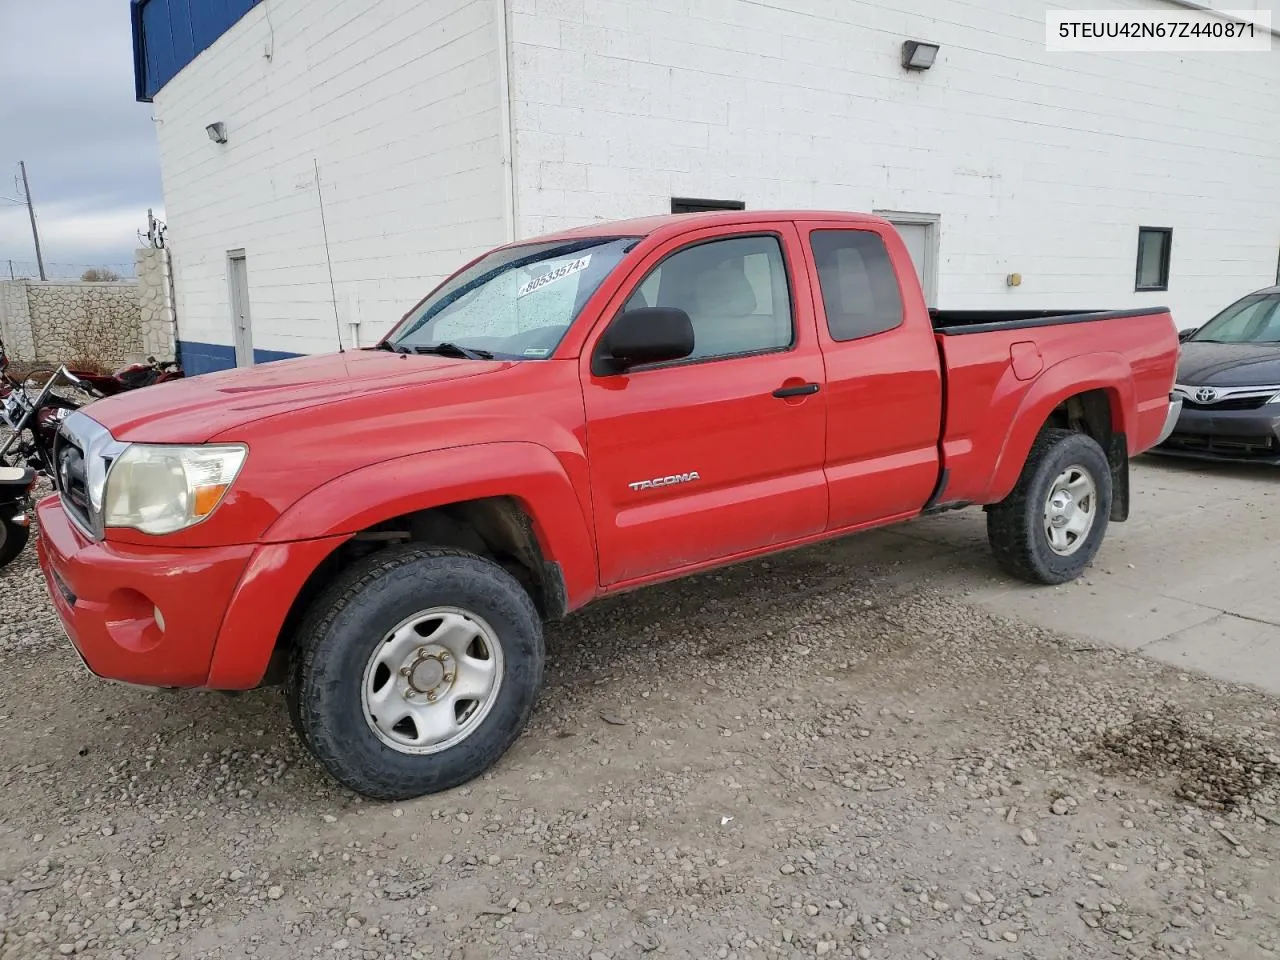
(721, 453)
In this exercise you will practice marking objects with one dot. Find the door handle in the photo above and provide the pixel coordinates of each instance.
(799, 390)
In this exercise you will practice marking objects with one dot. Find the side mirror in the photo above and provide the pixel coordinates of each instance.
(644, 335)
(1187, 334)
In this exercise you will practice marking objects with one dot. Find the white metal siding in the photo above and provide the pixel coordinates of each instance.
(398, 100)
(1039, 164)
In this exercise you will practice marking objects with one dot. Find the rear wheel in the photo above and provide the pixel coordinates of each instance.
(13, 537)
(415, 671)
(1052, 524)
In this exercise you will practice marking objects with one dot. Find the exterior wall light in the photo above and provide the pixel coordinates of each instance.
(918, 55)
(217, 132)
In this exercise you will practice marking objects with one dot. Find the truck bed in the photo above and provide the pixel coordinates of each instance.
(959, 322)
(991, 380)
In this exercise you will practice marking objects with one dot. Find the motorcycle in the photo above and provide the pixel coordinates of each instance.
(34, 421)
(16, 484)
(28, 451)
(132, 377)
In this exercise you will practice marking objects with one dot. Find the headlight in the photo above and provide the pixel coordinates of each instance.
(162, 489)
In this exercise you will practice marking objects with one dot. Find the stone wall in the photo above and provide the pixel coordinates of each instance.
(83, 323)
(156, 328)
(106, 324)
(15, 320)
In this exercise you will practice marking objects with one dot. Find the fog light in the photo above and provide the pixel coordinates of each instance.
(159, 618)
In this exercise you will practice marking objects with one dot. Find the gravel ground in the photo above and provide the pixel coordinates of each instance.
(792, 758)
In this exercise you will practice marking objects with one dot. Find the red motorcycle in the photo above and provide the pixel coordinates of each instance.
(33, 420)
(132, 377)
(129, 378)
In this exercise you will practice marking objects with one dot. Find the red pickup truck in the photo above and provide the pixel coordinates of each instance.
(385, 530)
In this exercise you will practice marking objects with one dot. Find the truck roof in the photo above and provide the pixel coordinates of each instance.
(683, 222)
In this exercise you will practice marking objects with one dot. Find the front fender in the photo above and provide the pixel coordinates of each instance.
(1110, 372)
(527, 472)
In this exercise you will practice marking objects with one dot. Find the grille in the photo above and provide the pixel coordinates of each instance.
(1246, 446)
(72, 479)
(1231, 403)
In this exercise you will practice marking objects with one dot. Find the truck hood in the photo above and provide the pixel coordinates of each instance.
(194, 409)
(1229, 364)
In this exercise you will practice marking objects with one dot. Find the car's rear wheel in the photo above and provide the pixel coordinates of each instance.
(415, 671)
(1050, 527)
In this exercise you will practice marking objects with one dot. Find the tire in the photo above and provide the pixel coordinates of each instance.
(1019, 527)
(381, 641)
(13, 538)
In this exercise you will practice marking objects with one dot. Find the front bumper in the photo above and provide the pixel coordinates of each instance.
(137, 614)
(162, 617)
(1242, 436)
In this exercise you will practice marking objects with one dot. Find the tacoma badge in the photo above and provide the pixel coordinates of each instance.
(664, 481)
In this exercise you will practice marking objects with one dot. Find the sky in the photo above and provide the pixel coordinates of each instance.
(67, 108)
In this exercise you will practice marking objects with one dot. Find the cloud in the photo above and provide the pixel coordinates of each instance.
(66, 67)
(73, 238)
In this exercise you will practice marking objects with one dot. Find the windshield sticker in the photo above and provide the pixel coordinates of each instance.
(536, 351)
(559, 273)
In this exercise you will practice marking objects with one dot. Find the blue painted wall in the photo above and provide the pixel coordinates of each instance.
(197, 357)
(169, 34)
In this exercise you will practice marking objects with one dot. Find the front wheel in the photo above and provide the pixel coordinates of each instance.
(1052, 524)
(13, 535)
(415, 671)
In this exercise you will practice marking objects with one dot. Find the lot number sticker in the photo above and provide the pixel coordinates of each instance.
(559, 273)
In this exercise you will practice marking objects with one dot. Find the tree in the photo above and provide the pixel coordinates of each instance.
(99, 275)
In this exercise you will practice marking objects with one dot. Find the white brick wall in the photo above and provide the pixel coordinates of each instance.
(1041, 164)
(398, 100)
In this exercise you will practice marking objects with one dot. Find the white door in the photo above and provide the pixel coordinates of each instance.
(919, 232)
(242, 332)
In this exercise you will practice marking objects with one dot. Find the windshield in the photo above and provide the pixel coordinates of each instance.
(514, 304)
(1255, 319)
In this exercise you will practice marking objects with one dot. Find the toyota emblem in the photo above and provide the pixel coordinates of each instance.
(1206, 395)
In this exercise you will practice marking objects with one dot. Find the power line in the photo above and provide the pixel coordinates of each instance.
(58, 270)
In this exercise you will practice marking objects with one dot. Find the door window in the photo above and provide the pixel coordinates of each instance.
(735, 292)
(859, 285)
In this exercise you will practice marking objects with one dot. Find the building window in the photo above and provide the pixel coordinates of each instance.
(1154, 245)
(690, 205)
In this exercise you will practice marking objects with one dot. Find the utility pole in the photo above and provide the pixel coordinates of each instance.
(31, 211)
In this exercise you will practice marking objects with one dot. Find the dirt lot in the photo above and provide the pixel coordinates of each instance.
(808, 756)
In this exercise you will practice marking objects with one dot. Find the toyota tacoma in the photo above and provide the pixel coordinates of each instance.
(384, 531)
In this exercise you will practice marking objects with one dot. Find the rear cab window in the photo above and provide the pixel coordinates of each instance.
(859, 285)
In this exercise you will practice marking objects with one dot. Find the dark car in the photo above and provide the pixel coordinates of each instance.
(1229, 382)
